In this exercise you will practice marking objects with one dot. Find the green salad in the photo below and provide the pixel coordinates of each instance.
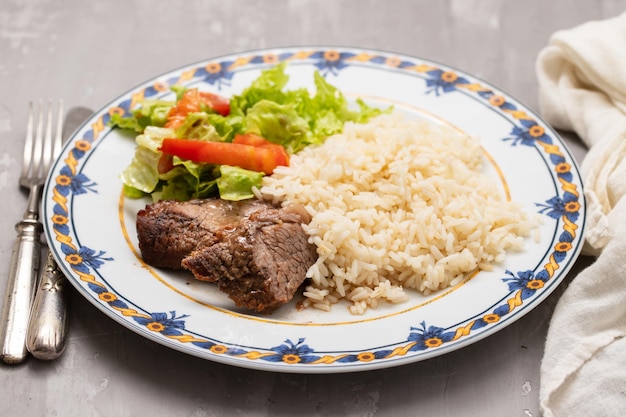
(204, 145)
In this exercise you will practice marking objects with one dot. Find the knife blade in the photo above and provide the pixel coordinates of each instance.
(48, 325)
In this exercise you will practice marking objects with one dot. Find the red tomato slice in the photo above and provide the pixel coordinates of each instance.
(252, 140)
(192, 102)
(260, 159)
(216, 102)
(260, 142)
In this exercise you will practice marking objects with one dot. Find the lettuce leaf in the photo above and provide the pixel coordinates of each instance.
(236, 183)
(278, 123)
(142, 173)
(189, 180)
(196, 127)
(151, 113)
(268, 86)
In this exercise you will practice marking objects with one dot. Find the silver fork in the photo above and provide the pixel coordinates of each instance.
(40, 149)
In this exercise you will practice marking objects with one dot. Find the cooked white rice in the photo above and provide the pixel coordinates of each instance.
(396, 204)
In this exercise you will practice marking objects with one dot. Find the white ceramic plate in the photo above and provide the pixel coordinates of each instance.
(91, 229)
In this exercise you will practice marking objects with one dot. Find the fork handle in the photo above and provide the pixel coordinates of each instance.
(48, 319)
(20, 288)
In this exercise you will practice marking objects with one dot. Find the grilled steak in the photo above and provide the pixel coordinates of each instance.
(255, 252)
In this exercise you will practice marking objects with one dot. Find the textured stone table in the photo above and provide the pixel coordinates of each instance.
(88, 52)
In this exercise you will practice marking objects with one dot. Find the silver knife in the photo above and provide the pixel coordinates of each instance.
(48, 325)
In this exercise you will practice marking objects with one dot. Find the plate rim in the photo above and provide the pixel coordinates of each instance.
(349, 367)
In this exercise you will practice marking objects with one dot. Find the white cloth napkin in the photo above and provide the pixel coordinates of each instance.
(582, 88)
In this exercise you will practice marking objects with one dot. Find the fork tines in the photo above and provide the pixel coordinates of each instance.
(37, 147)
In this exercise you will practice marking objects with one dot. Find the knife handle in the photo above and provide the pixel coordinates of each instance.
(48, 325)
(21, 283)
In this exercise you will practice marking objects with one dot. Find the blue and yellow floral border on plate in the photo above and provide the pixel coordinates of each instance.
(566, 208)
